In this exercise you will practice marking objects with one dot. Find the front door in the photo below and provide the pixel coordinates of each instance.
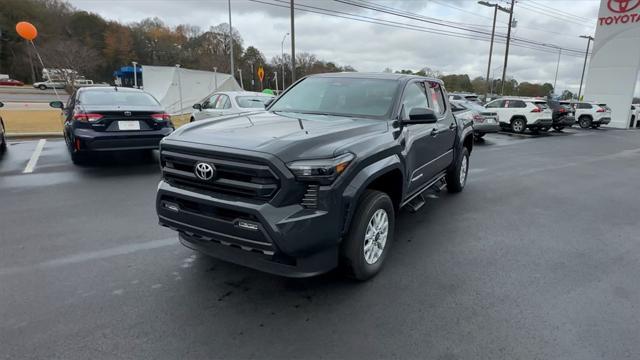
(421, 145)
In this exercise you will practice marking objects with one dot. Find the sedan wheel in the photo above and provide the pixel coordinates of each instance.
(585, 122)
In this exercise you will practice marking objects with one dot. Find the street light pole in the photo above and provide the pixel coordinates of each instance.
(282, 54)
(293, 45)
(241, 83)
(231, 40)
(215, 77)
(584, 67)
(506, 52)
(135, 75)
(275, 75)
(179, 86)
(495, 7)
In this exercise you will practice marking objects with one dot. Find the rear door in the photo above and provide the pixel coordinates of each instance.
(447, 126)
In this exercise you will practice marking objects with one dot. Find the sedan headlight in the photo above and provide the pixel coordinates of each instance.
(321, 170)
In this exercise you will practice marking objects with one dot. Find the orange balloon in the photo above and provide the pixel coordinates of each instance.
(26, 30)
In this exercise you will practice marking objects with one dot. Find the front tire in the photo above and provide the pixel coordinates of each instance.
(42, 87)
(457, 176)
(370, 236)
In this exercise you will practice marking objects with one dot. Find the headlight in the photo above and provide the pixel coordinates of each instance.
(321, 170)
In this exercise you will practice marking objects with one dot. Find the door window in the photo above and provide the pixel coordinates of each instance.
(516, 104)
(210, 104)
(223, 102)
(436, 98)
(495, 104)
(414, 97)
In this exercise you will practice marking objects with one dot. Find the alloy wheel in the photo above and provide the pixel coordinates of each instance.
(375, 237)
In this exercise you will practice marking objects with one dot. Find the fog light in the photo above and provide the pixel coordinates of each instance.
(247, 225)
(171, 206)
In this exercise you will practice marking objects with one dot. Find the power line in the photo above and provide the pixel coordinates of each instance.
(556, 11)
(388, 23)
(558, 17)
(400, 13)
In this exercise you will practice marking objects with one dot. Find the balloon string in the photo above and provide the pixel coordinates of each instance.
(42, 63)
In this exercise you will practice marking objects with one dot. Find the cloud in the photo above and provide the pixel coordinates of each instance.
(373, 47)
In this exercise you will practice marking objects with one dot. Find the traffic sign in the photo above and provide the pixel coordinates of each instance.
(260, 73)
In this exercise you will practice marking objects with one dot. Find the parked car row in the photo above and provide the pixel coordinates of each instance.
(517, 114)
(10, 82)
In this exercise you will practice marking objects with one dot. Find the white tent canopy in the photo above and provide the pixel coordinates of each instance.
(178, 89)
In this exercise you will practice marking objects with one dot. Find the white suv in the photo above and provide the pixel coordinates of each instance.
(590, 114)
(519, 114)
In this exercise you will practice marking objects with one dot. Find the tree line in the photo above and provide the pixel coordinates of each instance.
(478, 85)
(85, 42)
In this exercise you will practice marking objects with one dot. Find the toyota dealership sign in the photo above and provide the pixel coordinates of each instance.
(615, 61)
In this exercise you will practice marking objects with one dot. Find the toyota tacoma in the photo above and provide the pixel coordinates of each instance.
(315, 182)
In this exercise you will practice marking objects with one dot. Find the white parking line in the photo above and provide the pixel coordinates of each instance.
(34, 157)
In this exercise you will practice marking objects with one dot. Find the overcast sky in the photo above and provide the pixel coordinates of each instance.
(374, 47)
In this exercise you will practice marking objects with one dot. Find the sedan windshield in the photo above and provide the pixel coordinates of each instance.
(252, 101)
(112, 97)
(354, 97)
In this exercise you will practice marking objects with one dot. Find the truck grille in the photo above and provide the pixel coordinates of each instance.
(245, 178)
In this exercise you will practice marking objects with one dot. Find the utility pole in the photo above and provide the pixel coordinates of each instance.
(231, 40)
(495, 7)
(557, 68)
(215, 77)
(179, 87)
(584, 67)
(506, 52)
(282, 55)
(293, 46)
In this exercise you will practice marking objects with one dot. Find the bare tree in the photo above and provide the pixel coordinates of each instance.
(70, 58)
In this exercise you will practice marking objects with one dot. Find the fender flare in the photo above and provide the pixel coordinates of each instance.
(362, 180)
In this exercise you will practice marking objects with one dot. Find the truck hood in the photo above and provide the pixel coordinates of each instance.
(290, 136)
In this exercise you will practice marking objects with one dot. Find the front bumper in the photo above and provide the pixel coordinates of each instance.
(91, 140)
(289, 241)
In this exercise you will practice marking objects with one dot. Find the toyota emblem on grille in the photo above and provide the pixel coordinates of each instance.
(127, 113)
(204, 171)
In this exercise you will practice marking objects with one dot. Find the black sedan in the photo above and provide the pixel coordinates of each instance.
(3, 139)
(112, 119)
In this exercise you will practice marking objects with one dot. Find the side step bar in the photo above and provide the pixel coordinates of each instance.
(416, 201)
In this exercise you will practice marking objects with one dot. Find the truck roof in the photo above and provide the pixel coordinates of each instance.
(374, 75)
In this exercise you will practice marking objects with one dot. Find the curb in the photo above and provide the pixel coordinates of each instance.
(34, 135)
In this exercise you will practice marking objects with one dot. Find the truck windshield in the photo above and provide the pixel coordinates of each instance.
(353, 97)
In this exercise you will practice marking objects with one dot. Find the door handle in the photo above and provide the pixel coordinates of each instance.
(434, 132)
(452, 126)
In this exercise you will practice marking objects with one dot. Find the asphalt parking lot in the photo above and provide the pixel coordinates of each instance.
(537, 259)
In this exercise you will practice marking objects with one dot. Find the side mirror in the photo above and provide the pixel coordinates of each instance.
(1, 104)
(421, 116)
(268, 102)
(197, 106)
(56, 104)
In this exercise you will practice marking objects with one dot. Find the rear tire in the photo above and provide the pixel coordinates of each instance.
(584, 122)
(370, 236)
(79, 158)
(457, 175)
(518, 125)
(42, 87)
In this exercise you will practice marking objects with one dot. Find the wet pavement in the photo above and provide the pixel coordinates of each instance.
(537, 259)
